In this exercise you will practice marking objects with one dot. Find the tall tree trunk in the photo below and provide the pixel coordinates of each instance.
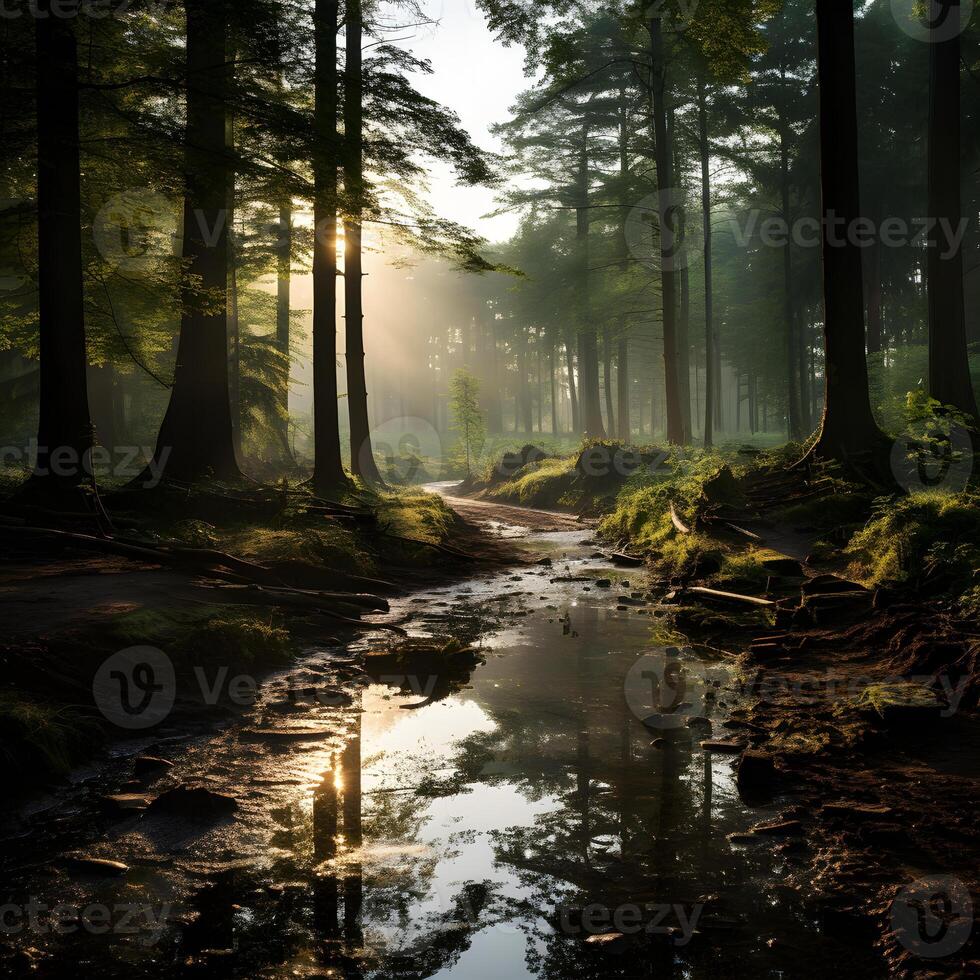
(234, 325)
(848, 426)
(196, 434)
(684, 318)
(64, 425)
(949, 367)
(623, 386)
(554, 393)
(328, 469)
(361, 451)
(792, 388)
(607, 381)
(710, 380)
(572, 394)
(658, 73)
(537, 359)
(588, 351)
(284, 275)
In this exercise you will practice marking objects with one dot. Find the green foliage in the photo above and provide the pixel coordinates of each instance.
(920, 535)
(468, 420)
(39, 740)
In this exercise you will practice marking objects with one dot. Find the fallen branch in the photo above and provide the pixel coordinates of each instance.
(730, 597)
(677, 522)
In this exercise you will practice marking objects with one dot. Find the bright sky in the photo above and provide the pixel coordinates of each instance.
(479, 79)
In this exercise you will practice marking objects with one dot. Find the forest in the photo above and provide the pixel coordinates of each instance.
(489, 488)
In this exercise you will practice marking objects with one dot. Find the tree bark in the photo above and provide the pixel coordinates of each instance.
(709, 338)
(623, 386)
(283, 289)
(848, 427)
(361, 452)
(588, 361)
(792, 387)
(328, 469)
(607, 381)
(554, 393)
(196, 433)
(668, 285)
(572, 394)
(949, 366)
(64, 425)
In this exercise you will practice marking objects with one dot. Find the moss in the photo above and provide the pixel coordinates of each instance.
(925, 534)
(545, 483)
(191, 634)
(845, 506)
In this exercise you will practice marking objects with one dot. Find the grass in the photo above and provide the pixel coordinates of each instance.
(922, 536)
(39, 740)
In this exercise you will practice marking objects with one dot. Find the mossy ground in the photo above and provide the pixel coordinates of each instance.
(42, 736)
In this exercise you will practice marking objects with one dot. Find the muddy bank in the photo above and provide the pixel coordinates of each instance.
(238, 597)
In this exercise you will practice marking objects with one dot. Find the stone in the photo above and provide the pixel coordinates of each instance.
(193, 803)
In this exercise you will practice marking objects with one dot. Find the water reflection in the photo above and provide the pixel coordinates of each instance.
(496, 832)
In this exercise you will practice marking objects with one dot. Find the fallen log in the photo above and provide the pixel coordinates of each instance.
(734, 598)
(368, 603)
(445, 549)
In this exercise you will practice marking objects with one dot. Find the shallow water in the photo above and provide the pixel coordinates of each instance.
(488, 834)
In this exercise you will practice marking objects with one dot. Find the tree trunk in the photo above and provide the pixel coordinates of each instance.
(64, 425)
(572, 395)
(607, 381)
(684, 319)
(675, 421)
(949, 367)
(361, 451)
(328, 470)
(848, 427)
(196, 434)
(283, 288)
(554, 393)
(623, 386)
(588, 351)
(792, 392)
(709, 339)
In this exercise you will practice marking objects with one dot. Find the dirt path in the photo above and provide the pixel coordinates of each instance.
(496, 515)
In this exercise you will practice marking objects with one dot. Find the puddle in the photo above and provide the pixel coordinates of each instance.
(489, 834)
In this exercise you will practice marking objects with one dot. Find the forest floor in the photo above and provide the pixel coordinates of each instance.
(856, 621)
(244, 589)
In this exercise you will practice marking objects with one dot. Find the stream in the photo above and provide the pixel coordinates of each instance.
(518, 822)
